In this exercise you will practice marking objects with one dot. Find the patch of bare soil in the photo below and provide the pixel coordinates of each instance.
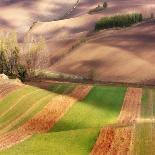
(116, 140)
(45, 119)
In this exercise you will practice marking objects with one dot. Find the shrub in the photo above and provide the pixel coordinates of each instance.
(152, 15)
(105, 4)
(22, 72)
(118, 21)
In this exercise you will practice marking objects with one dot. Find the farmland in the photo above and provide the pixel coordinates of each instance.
(77, 77)
(92, 119)
(76, 122)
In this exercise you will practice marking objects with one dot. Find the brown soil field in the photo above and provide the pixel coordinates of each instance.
(61, 35)
(125, 55)
(44, 120)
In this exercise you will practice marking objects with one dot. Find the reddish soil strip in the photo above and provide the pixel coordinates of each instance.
(113, 141)
(131, 106)
(121, 141)
(104, 141)
(45, 119)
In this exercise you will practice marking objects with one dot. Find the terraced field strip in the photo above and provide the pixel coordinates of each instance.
(14, 97)
(45, 119)
(23, 105)
(6, 88)
(61, 88)
(76, 132)
(116, 140)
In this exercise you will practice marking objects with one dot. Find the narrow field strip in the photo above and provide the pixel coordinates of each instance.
(147, 109)
(45, 119)
(15, 104)
(131, 106)
(118, 140)
(27, 113)
(121, 142)
(5, 89)
(61, 88)
(14, 97)
(23, 105)
(104, 141)
(113, 141)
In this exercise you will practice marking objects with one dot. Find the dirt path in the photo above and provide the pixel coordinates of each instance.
(44, 120)
(117, 140)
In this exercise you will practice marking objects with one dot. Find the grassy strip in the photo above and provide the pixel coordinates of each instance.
(21, 107)
(100, 107)
(147, 108)
(118, 21)
(143, 144)
(13, 97)
(60, 88)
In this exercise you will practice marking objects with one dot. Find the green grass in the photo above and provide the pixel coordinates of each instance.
(13, 97)
(148, 99)
(100, 107)
(61, 88)
(75, 142)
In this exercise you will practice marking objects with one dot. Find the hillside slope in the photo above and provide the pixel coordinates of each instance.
(125, 55)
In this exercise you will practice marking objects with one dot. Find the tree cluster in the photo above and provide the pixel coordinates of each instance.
(20, 60)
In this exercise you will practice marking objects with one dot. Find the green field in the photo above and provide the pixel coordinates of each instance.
(77, 131)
